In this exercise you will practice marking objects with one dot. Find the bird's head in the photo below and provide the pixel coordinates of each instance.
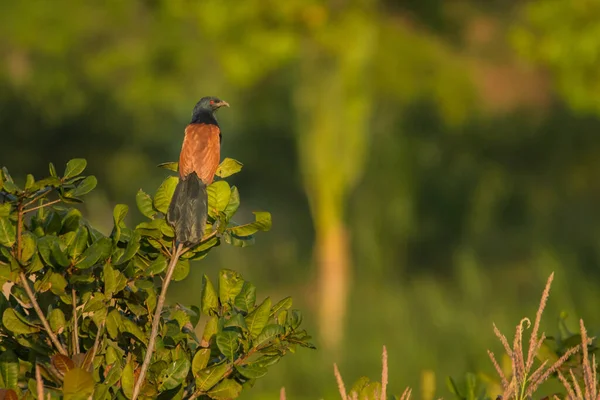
(209, 103)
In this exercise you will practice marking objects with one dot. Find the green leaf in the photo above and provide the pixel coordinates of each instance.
(127, 380)
(181, 271)
(258, 318)
(200, 361)
(294, 319)
(210, 301)
(228, 167)
(251, 371)
(57, 320)
(172, 166)
(230, 285)
(85, 186)
(79, 243)
(234, 203)
(132, 248)
(164, 194)
(283, 304)
(129, 326)
(113, 322)
(57, 284)
(74, 167)
(227, 342)
(208, 377)
(219, 193)
(29, 181)
(144, 204)
(246, 298)
(157, 266)
(210, 330)
(119, 213)
(99, 250)
(52, 170)
(28, 247)
(9, 369)
(7, 232)
(70, 221)
(262, 222)
(57, 253)
(13, 323)
(269, 333)
(175, 374)
(5, 209)
(228, 389)
(236, 320)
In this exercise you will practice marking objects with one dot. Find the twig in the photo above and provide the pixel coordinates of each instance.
(75, 327)
(40, 383)
(40, 314)
(156, 321)
(48, 190)
(89, 358)
(19, 229)
(42, 205)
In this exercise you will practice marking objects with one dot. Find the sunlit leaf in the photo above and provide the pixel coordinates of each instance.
(246, 298)
(219, 193)
(258, 318)
(7, 232)
(208, 377)
(9, 369)
(228, 389)
(251, 371)
(230, 285)
(74, 167)
(144, 204)
(85, 186)
(262, 222)
(164, 194)
(171, 166)
(200, 361)
(13, 323)
(227, 342)
(175, 374)
(210, 301)
(228, 167)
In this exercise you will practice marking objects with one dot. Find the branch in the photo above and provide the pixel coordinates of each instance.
(40, 196)
(42, 205)
(40, 314)
(75, 327)
(40, 383)
(156, 321)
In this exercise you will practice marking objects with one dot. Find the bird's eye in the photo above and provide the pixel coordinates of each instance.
(212, 102)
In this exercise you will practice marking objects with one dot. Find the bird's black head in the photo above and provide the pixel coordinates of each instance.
(206, 107)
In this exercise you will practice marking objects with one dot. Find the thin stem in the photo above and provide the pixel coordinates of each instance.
(75, 326)
(40, 383)
(40, 314)
(48, 190)
(42, 206)
(19, 230)
(156, 321)
(89, 359)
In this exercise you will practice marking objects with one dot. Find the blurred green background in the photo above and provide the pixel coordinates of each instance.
(427, 163)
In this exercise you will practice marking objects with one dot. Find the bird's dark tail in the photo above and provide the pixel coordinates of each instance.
(188, 210)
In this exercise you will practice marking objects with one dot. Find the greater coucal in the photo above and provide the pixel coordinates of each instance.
(198, 162)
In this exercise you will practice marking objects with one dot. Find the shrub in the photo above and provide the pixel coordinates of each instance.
(79, 306)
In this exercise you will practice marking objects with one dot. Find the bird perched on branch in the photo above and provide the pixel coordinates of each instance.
(198, 162)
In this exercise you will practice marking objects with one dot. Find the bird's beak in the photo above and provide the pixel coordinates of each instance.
(222, 103)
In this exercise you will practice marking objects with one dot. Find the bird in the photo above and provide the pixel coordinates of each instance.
(198, 162)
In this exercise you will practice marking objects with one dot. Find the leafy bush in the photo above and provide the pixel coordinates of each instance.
(79, 306)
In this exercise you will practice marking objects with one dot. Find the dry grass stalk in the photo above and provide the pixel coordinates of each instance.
(340, 382)
(590, 381)
(523, 383)
(384, 374)
(406, 394)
